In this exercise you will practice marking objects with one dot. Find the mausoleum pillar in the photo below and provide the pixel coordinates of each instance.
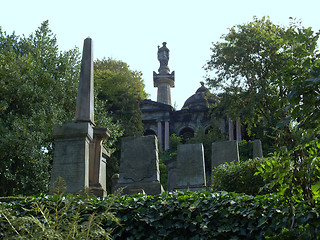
(166, 135)
(159, 133)
(238, 129)
(230, 125)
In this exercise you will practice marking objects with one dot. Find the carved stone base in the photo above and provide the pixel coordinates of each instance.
(150, 188)
(98, 191)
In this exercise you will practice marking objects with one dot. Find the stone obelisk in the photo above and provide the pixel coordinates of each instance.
(85, 98)
(72, 140)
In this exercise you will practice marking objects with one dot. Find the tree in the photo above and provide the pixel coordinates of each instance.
(37, 90)
(123, 90)
(264, 74)
(255, 66)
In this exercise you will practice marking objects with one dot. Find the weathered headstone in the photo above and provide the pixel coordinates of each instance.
(224, 152)
(171, 166)
(139, 165)
(190, 168)
(257, 149)
(78, 149)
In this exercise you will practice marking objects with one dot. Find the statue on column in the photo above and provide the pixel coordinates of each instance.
(163, 55)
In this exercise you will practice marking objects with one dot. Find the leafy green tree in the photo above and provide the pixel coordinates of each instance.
(264, 74)
(255, 65)
(37, 90)
(122, 90)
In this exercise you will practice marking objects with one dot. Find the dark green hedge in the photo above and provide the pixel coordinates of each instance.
(207, 215)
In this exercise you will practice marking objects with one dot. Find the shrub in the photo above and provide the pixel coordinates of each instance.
(238, 177)
(54, 217)
(174, 215)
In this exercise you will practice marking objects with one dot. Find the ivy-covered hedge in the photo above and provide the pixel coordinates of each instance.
(206, 215)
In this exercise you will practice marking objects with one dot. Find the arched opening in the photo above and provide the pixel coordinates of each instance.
(149, 132)
(186, 133)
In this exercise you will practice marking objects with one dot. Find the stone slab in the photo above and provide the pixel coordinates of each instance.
(257, 149)
(224, 152)
(139, 160)
(139, 165)
(190, 167)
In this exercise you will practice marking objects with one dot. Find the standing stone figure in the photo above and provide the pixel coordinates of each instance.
(163, 55)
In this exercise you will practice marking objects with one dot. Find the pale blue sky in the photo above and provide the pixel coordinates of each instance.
(131, 30)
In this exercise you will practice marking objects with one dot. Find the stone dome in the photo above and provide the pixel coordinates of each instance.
(202, 99)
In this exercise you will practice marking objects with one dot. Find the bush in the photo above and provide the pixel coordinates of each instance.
(174, 215)
(238, 177)
(54, 217)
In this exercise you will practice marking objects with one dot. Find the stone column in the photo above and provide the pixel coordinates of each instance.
(164, 93)
(166, 135)
(238, 129)
(231, 137)
(97, 182)
(159, 133)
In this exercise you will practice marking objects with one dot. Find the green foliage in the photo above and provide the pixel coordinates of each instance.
(122, 90)
(296, 179)
(211, 215)
(175, 215)
(269, 75)
(55, 217)
(245, 150)
(239, 177)
(256, 65)
(37, 90)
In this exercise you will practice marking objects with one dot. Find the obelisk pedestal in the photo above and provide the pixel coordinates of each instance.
(78, 149)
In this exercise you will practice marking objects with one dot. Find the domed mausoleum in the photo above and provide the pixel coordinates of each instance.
(161, 119)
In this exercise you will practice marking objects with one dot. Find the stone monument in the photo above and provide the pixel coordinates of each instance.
(189, 170)
(257, 149)
(224, 152)
(139, 166)
(164, 80)
(78, 151)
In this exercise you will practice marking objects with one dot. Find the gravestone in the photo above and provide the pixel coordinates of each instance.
(190, 168)
(257, 149)
(139, 166)
(78, 151)
(171, 166)
(224, 152)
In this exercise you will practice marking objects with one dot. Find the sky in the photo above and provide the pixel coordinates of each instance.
(131, 30)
